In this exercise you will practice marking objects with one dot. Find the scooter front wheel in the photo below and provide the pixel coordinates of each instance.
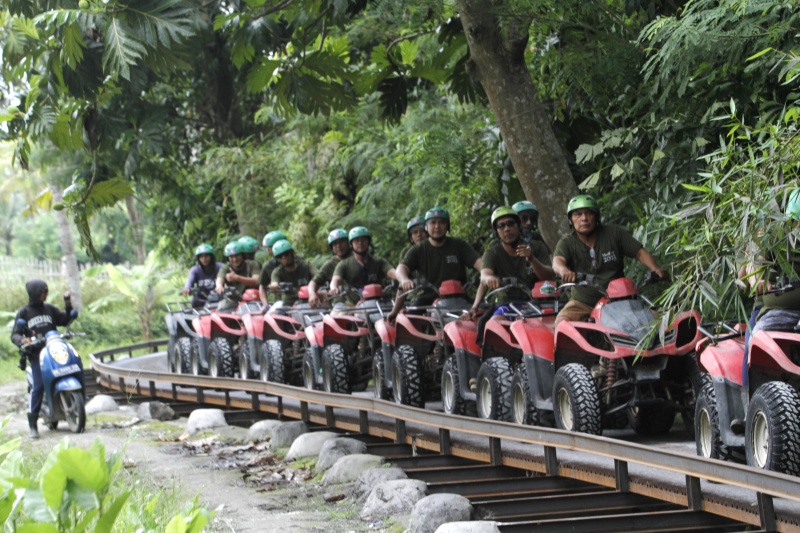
(74, 409)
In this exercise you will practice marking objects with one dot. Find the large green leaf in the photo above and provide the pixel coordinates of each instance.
(164, 22)
(53, 484)
(122, 50)
(105, 523)
(80, 466)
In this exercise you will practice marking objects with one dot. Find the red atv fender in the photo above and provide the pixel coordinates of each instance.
(536, 336)
(461, 334)
(227, 323)
(386, 332)
(279, 327)
(315, 335)
(723, 360)
(769, 353)
(253, 325)
(414, 325)
(343, 326)
(497, 335)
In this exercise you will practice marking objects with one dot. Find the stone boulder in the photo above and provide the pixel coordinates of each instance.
(101, 403)
(394, 497)
(201, 419)
(349, 467)
(155, 411)
(469, 527)
(372, 478)
(432, 511)
(335, 449)
(283, 434)
(309, 444)
(261, 430)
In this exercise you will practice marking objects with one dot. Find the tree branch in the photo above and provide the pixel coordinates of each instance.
(398, 41)
(591, 30)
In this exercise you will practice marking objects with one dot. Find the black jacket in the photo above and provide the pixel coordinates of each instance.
(40, 317)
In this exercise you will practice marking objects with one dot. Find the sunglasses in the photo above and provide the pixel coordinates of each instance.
(528, 218)
(508, 224)
(281, 256)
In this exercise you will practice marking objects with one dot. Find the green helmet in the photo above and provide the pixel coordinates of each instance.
(233, 248)
(271, 238)
(437, 212)
(249, 244)
(583, 201)
(204, 249)
(359, 231)
(793, 205)
(504, 211)
(335, 235)
(524, 205)
(280, 247)
(416, 221)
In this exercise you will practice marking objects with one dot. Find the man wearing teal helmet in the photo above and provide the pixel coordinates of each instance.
(203, 275)
(594, 249)
(291, 269)
(415, 229)
(439, 258)
(249, 249)
(339, 245)
(361, 268)
(269, 265)
(239, 272)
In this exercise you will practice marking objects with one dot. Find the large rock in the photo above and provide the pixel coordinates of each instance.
(261, 430)
(469, 527)
(201, 419)
(371, 478)
(335, 449)
(437, 509)
(349, 467)
(283, 434)
(100, 403)
(395, 497)
(309, 444)
(155, 411)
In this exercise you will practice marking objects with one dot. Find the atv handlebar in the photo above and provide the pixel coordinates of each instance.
(712, 331)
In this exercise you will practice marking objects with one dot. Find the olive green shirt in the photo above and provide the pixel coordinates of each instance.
(248, 270)
(504, 265)
(359, 276)
(442, 263)
(266, 272)
(612, 245)
(298, 277)
(325, 274)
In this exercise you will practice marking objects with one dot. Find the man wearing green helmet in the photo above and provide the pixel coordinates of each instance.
(291, 269)
(597, 249)
(439, 258)
(415, 229)
(361, 268)
(239, 272)
(249, 249)
(203, 274)
(265, 277)
(528, 262)
(339, 245)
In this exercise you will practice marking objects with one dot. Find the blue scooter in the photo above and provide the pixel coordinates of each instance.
(63, 379)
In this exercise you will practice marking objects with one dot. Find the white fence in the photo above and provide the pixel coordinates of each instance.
(19, 269)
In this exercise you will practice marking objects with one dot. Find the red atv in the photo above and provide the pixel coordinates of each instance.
(216, 348)
(753, 415)
(282, 350)
(618, 368)
(413, 371)
(179, 325)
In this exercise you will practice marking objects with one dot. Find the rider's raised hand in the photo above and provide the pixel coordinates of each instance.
(663, 274)
(523, 250)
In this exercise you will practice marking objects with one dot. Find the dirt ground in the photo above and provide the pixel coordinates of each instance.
(254, 490)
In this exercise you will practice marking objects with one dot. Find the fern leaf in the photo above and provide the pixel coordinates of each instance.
(165, 22)
(122, 49)
(72, 51)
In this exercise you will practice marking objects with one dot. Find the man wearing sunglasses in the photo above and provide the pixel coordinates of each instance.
(291, 269)
(594, 249)
(528, 262)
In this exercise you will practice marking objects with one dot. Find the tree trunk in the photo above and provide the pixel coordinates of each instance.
(68, 261)
(498, 62)
(136, 230)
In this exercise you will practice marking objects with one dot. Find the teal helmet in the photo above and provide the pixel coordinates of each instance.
(335, 235)
(524, 205)
(204, 249)
(271, 238)
(359, 231)
(249, 244)
(582, 201)
(280, 247)
(233, 248)
(504, 211)
(437, 212)
(793, 205)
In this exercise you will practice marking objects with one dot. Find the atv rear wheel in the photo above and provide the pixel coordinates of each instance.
(452, 402)
(181, 360)
(575, 401)
(523, 411)
(382, 390)
(494, 389)
(272, 362)
(196, 367)
(706, 422)
(772, 429)
(697, 380)
(309, 371)
(220, 358)
(246, 362)
(335, 371)
(407, 377)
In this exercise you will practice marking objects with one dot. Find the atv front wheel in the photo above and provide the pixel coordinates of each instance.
(575, 402)
(772, 429)
(181, 360)
(494, 390)
(309, 371)
(272, 362)
(407, 377)
(220, 358)
(246, 361)
(382, 390)
(452, 402)
(706, 423)
(335, 371)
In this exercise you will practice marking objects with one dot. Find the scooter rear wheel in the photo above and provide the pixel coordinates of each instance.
(74, 409)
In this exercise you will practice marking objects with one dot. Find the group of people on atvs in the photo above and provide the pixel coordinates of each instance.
(515, 352)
